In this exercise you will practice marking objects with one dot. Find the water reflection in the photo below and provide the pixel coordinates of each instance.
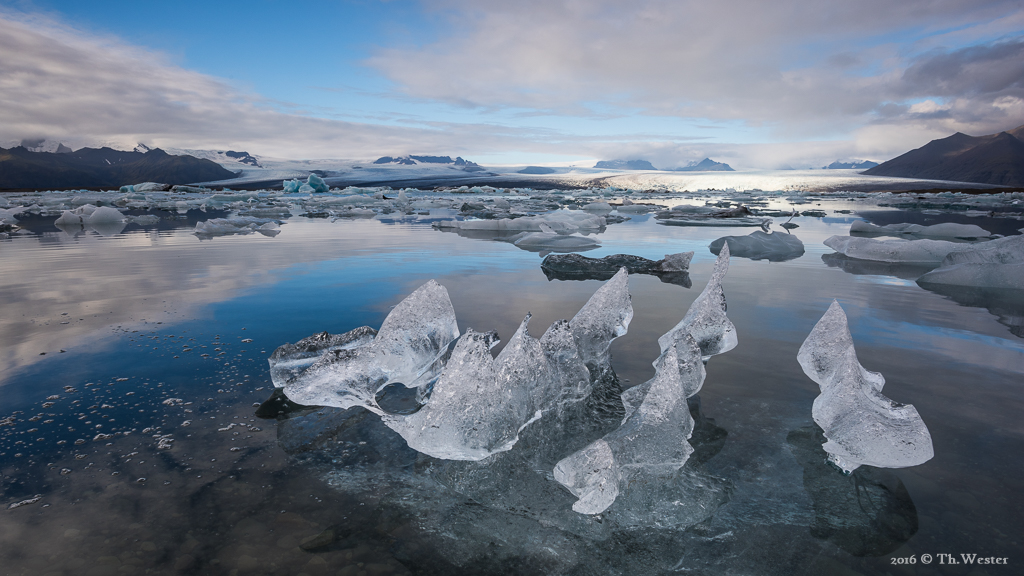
(1005, 304)
(868, 513)
(904, 270)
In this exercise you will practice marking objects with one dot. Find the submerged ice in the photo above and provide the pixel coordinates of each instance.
(862, 425)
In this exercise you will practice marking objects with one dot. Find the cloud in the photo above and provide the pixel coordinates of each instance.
(803, 67)
(57, 82)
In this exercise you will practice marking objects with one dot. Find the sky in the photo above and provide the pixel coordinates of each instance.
(759, 85)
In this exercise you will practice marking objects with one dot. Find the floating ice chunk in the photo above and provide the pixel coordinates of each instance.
(7, 214)
(317, 183)
(561, 221)
(552, 242)
(406, 350)
(104, 215)
(944, 230)
(776, 247)
(576, 267)
(598, 207)
(921, 251)
(862, 426)
(706, 320)
(306, 189)
(735, 222)
(995, 264)
(143, 220)
(235, 225)
(291, 186)
(149, 187)
(679, 262)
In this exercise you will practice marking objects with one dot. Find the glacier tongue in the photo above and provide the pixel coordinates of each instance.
(862, 426)
(652, 440)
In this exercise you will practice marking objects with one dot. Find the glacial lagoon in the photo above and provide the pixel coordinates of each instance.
(141, 434)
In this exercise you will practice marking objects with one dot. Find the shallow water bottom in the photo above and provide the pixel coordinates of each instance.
(189, 480)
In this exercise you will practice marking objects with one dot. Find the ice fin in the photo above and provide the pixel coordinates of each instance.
(603, 318)
(862, 426)
(706, 320)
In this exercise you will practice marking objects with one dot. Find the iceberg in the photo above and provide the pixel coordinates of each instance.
(291, 186)
(775, 247)
(862, 426)
(317, 183)
(653, 436)
(944, 230)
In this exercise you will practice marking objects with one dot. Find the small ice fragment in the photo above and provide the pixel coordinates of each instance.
(862, 426)
(290, 360)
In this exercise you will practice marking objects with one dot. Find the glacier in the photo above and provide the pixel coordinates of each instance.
(862, 425)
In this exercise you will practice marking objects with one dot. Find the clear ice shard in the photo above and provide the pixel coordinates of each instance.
(862, 426)
(706, 320)
(479, 405)
(406, 349)
(290, 360)
(652, 440)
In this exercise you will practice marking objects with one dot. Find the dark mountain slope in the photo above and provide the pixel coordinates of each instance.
(101, 167)
(992, 159)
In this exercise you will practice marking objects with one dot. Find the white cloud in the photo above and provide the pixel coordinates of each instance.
(805, 67)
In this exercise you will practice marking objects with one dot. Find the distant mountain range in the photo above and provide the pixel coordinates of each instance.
(101, 168)
(992, 159)
(465, 165)
(625, 165)
(848, 164)
(705, 165)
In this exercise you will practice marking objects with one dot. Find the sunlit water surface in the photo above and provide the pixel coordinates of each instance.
(132, 366)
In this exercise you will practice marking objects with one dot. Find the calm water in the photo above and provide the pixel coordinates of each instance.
(131, 367)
